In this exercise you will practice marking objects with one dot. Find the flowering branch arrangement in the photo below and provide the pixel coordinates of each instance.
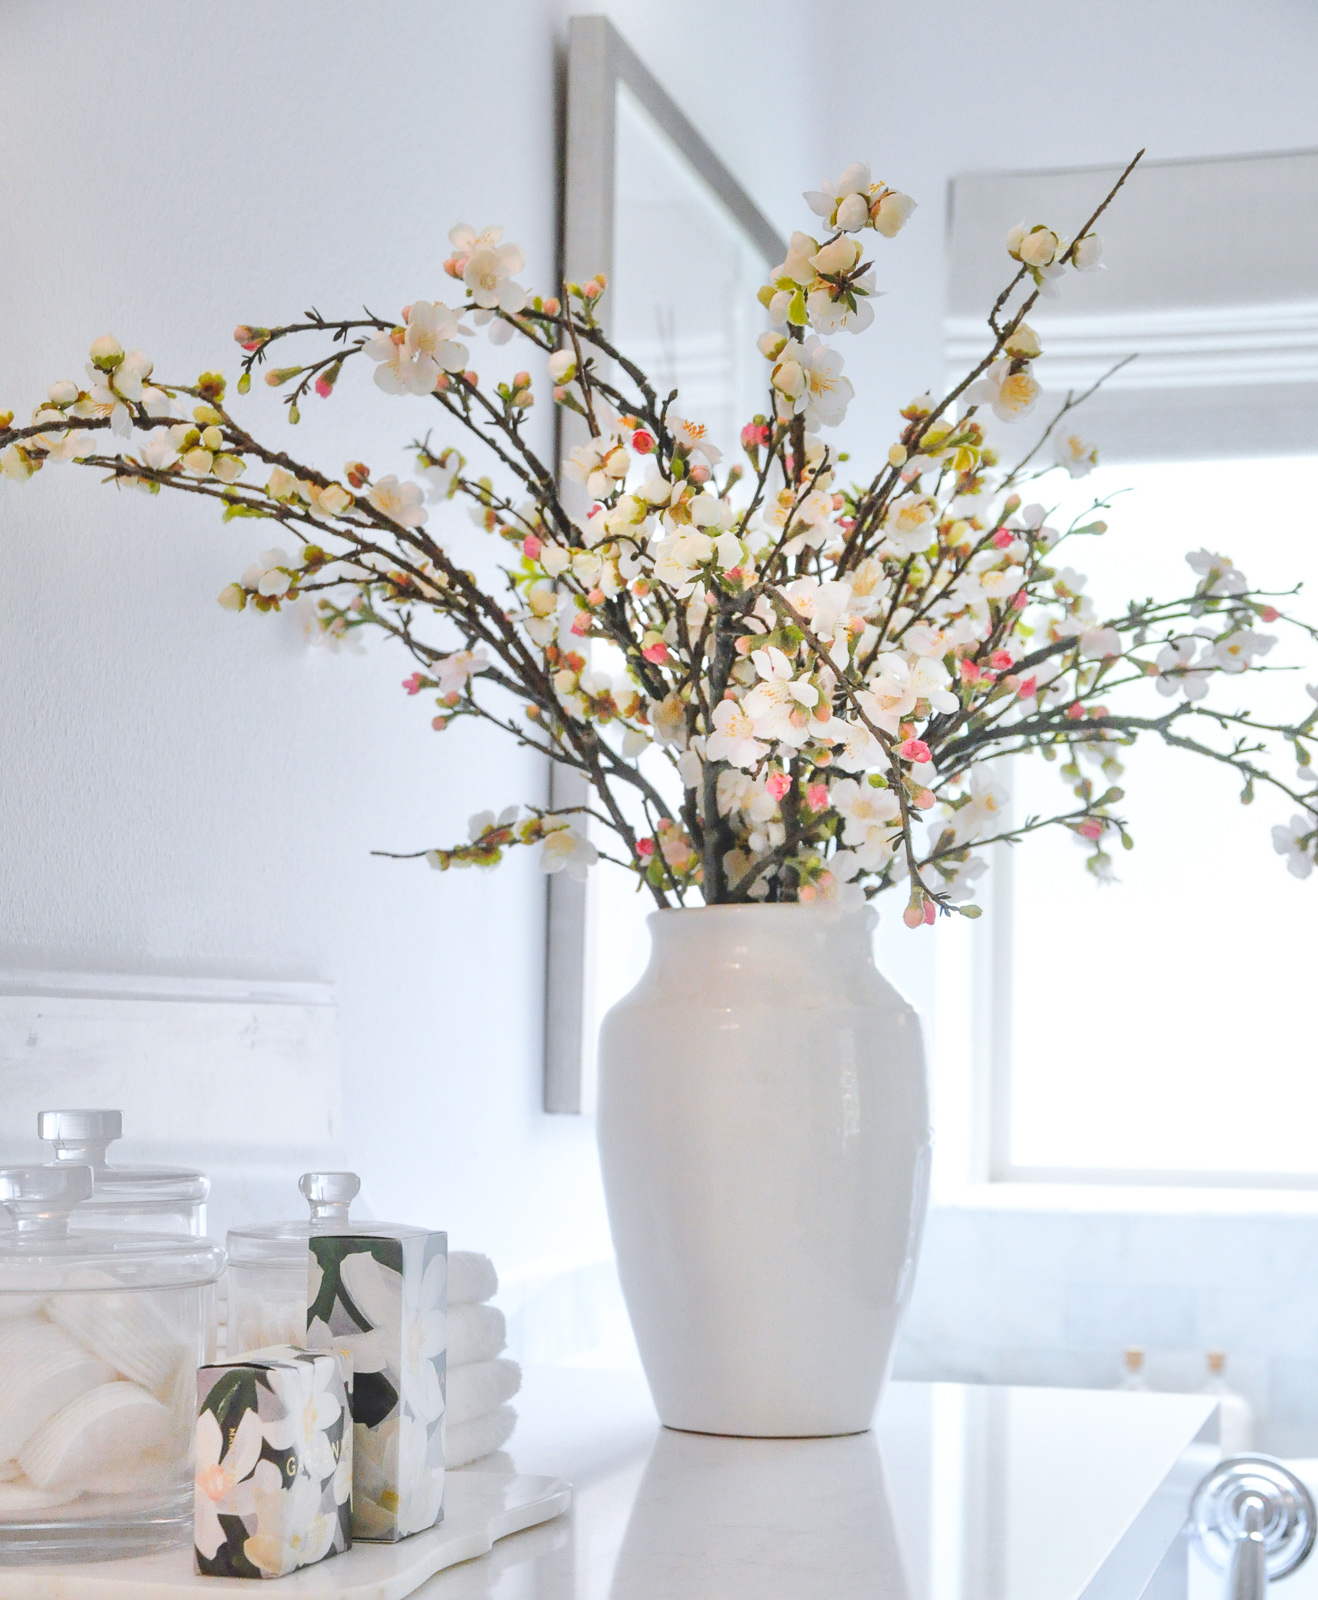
(772, 684)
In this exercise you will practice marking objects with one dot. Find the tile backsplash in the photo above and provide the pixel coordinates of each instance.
(1054, 1297)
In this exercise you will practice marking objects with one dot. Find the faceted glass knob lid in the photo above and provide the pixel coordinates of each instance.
(329, 1194)
(1254, 1499)
(80, 1137)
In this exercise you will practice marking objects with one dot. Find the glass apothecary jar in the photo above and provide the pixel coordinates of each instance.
(101, 1334)
(268, 1266)
(140, 1199)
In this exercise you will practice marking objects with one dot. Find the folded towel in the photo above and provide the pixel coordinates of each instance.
(469, 1441)
(479, 1386)
(475, 1333)
(471, 1278)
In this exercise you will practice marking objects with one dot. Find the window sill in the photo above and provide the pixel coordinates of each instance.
(1129, 1199)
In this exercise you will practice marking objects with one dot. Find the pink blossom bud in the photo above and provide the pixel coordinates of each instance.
(1028, 687)
(923, 799)
(531, 547)
(1001, 660)
(1075, 713)
(1269, 613)
(324, 388)
(1003, 537)
(552, 307)
(816, 797)
(778, 784)
(439, 723)
(970, 672)
(656, 653)
(596, 597)
(913, 916)
(642, 441)
(930, 913)
(699, 473)
(581, 623)
(914, 750)
(1020, 600)
(413, 684)
(645, 847)
(806, 893)
(455, 266)
(472, 378)
(1091, 828)
(592, 289)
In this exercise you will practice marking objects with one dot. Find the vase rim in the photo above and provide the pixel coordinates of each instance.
(828, 909)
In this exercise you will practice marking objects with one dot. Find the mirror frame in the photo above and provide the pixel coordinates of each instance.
(598, 60)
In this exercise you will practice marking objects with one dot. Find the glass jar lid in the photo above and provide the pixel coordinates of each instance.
(82, 1139)
(44, 1251)
(328, 1196)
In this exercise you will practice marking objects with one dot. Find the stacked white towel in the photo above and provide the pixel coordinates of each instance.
(480, 1381)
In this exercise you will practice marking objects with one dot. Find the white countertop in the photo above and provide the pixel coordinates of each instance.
(960, 1493)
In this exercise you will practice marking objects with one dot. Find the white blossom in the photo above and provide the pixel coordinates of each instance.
(566, 849)
(1289, 841)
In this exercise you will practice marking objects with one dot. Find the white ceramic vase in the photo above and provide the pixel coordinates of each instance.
(764, 1135)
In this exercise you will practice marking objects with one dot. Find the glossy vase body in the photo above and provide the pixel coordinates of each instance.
(764, 1136)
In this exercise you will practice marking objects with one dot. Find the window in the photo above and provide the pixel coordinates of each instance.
(1161, 1029)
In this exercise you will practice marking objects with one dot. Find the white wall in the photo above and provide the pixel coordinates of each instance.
(186, 791)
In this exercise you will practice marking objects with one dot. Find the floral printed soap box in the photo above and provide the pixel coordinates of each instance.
(383, 1297)
(274, 1463)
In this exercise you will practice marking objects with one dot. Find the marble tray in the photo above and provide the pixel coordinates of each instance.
(480, 1507)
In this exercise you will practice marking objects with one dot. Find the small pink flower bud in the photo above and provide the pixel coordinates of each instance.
(656, 653)
(1003, 537)
(778, 784)
(642, 442)
(581, 623)
(413, 684)
(645, 847)
(914, 750)
(1028, 687)
(531, 547)
(816, 797)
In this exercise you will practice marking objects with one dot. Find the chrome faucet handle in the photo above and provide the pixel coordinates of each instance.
(1253, 1519)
